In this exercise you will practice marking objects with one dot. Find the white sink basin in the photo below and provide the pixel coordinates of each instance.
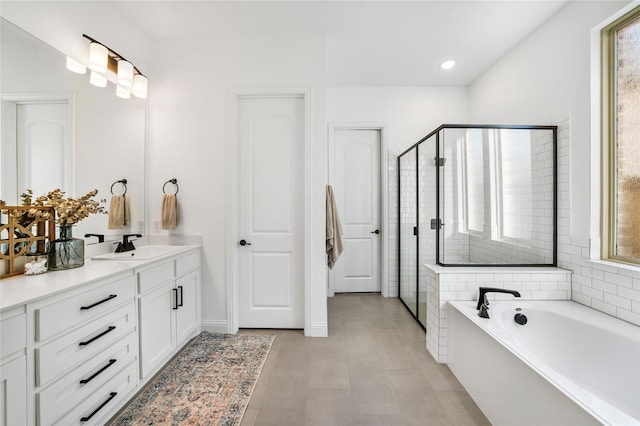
(141, 253)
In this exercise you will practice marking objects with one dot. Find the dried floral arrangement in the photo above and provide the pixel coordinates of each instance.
(69, 211)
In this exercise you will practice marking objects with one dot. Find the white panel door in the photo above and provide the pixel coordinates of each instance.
(356, 185)
(271, 208)
(44, 147)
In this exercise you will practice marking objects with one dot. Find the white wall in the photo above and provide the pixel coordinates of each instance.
(189, 119)
(546, 80)
(410, 112)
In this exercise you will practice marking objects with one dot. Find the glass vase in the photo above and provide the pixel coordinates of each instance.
(66, 252)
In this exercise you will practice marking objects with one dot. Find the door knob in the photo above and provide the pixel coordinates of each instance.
(244, 243)
(377, 231)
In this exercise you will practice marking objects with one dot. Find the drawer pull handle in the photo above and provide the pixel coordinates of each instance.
(175, 298)
(180, 288)
(87, 418)
(111, 296)
(97, 373)
(108, 330)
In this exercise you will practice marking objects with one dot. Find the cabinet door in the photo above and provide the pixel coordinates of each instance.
(157, 327)
(188, 313)
(13, 392)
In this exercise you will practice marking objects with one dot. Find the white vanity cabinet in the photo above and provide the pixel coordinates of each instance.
(84, 351)
(169, 308)
(13, 367)
(76, 345)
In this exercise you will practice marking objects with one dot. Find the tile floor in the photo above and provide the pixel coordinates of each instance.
(373, 369)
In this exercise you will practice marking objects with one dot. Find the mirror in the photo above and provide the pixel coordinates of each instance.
(59, 131)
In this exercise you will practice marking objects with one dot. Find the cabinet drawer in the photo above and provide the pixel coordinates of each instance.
(187, 263)
(72, 349)
(88, 379)
(72, 311)
(155, 276)
(103, 400)
(13, 332)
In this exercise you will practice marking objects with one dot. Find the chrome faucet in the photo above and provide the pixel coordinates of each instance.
(483, 303)
(127, 245)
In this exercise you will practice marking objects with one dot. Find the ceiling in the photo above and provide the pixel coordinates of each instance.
(391, 43)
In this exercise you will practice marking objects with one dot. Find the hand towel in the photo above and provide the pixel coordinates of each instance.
(333, 230)
(169, 213)
(117, 214)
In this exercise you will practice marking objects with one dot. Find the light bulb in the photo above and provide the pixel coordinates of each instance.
(125, 73)
(122, 92)
(75, 66)
(98, 57)
(98, 80)
(140, 86)
(447, 65)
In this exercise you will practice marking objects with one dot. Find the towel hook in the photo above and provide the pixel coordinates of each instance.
(173, 181)
(124, 184)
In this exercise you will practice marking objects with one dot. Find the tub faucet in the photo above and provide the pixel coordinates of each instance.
(126, 245)
(483, 303)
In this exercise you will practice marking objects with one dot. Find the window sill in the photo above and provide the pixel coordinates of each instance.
(619, 265)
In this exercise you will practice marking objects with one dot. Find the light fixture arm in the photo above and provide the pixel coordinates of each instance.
(114, 56)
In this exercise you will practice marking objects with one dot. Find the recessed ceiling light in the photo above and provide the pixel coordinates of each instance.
(447, 65)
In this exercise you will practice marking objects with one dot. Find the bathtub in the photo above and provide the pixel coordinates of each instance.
(568, 365)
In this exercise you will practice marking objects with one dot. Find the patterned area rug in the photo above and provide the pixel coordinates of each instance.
(208, 383)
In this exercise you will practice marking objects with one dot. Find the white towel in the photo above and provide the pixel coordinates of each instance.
(333, 230)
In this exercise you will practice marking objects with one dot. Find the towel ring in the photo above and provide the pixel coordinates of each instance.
(124, 184)
(173, 181)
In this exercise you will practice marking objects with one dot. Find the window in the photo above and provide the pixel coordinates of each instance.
(515, 184)
(475, 159)
(621, 138)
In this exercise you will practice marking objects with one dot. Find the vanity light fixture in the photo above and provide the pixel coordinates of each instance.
(75, 66)
(121, 92)
(98, 79)
(98, 57)
(140, 86)
(447, 65)
(107, 64)
(125, 73)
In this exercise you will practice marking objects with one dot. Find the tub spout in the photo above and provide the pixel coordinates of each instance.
(483, 303)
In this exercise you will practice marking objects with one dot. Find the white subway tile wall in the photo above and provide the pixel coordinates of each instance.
(606, 286)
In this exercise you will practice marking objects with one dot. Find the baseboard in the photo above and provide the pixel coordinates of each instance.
(215, 326)
(318, 329)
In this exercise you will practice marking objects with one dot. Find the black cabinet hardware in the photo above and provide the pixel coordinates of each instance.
(111, 296)
(87, 418)
(244, 243)
(97, 373)
(108, 330)
(181, 289)
(175, 298)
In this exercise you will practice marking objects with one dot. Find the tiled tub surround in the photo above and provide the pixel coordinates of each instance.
(461, 284)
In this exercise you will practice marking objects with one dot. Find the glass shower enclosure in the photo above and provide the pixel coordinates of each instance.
(475, 195)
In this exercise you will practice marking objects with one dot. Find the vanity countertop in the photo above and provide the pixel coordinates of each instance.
(23, 289)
